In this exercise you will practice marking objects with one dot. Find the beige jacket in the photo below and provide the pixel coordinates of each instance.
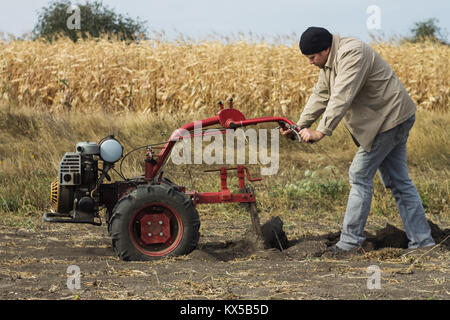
(358, 86)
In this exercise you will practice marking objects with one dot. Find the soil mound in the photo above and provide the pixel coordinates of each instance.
(389, 237)
(389, 241)
(274, 241)
(441, 237)
(392, 237)
(273, 234)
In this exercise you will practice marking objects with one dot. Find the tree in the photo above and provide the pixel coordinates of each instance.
(94, 20)
(427, 30)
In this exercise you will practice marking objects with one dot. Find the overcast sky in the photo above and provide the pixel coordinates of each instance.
(201, 18)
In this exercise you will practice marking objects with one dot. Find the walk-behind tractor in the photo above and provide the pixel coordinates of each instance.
(148, 217)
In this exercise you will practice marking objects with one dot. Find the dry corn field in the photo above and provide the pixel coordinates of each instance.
(192, 76)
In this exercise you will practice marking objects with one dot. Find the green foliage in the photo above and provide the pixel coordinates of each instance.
(319, 189)
(427, 30)
(434, 196)
(96, 20)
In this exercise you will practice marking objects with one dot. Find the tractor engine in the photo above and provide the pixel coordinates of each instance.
(74, 193)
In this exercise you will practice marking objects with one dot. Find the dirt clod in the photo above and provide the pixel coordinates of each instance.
(202, 255)
(390, 237)
(441, 237)
(273, 234)
(307, 249)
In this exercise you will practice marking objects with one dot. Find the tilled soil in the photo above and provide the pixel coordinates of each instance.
(37, 265)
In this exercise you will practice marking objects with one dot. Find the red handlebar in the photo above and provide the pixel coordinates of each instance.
(229, 119)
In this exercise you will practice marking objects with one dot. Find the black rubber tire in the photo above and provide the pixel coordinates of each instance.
(144, 195)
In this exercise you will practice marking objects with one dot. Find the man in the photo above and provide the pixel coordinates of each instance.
(357, 86)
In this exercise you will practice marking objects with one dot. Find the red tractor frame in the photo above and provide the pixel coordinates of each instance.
(150, 217)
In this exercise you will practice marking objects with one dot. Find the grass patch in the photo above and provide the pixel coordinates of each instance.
(311, 184)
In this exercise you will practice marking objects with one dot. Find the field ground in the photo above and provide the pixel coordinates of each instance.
(35, 263)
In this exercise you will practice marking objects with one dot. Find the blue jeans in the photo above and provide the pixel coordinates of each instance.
(388, 156)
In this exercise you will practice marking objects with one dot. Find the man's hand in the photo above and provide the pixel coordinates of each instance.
(287, 133)
(306, 134)
(309, 135)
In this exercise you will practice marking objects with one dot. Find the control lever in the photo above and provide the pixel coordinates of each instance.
(295, 129)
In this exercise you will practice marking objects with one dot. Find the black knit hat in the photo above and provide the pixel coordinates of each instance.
(315, 39)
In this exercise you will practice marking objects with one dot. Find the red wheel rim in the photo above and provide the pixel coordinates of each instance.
(156, 229)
